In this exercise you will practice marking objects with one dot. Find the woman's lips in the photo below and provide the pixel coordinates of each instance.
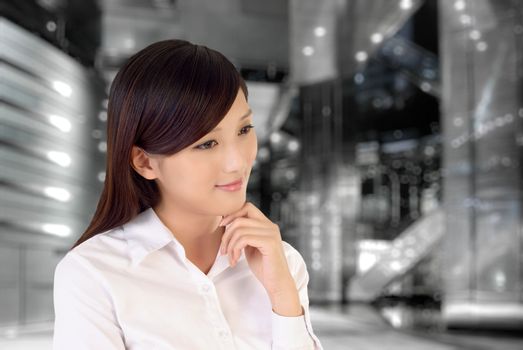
(233, 186)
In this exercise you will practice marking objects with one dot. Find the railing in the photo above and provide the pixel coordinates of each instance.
(406, 251)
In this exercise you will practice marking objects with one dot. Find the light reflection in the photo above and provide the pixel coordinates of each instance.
(319, 31)
(459, 5)
(396, 265)
(405, 4)
(276, 137)
(101, 176)
(263, 154)
(426, 86)
(61, 158)
(316, 265)
(359, 78)
(393, 315)
(307, 50)
(500, 280)
(50, 26)
(365, 261)
(293, 145)
(60, 123)
(475, 34)
(102, 146)
(62, 88)
(315, 220)
(11, 333)
(57, 229)
(465, 19)
(361, 56)
(57, 193)
(376, 38)
(102, 116)
(481, 46)
(290, 174)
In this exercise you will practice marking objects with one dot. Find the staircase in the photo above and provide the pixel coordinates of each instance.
(420, 66)
(406, 251)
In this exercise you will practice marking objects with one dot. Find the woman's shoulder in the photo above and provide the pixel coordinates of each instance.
(102, 242)
(98, 253)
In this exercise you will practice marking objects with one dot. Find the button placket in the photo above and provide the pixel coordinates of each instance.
(216, 314)
(205, 287)
(226, 339)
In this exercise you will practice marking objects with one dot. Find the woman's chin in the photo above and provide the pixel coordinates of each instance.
(230, 203)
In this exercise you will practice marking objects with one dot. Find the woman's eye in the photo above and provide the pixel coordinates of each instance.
(248, 128)
(207, 145)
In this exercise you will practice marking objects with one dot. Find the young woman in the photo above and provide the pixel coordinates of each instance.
(175, 257)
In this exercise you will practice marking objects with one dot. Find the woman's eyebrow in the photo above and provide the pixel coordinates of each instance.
(241, 118)
(246, 115)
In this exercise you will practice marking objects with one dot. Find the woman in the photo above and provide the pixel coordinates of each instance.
(175, 258)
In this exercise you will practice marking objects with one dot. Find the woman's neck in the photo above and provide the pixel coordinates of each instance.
(199, 235)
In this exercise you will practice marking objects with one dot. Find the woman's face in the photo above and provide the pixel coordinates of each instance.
(189, 178)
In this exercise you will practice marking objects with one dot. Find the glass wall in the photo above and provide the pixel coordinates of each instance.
(482, 77)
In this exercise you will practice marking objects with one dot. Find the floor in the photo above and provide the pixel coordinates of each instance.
(357, 327)
(360, 327)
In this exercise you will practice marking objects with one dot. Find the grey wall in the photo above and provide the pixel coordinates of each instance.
(52, 164)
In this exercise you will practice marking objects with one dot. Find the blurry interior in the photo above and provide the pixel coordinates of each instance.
(389, 134)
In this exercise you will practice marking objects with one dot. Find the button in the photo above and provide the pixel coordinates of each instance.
(205, 288)
(223, 333)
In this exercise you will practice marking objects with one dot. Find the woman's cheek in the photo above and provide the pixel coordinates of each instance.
(254, 149)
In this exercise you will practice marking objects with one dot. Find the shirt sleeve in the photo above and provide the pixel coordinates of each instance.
(84, 313)
(296, 333)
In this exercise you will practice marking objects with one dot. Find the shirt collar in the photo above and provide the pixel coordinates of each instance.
(146, 233)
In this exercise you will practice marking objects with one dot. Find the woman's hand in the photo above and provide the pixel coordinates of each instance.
(250, 229)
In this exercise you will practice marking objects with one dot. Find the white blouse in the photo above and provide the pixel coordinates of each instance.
(133, 288)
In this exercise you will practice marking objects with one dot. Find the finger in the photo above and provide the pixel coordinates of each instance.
(239, 222)
(253, 240)
(239, 232)
(231, 217)
(248, 210)
(229, 229)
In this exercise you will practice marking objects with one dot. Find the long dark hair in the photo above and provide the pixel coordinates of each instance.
(163, 99)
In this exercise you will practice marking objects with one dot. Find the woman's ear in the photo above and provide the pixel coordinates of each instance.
(141, 163)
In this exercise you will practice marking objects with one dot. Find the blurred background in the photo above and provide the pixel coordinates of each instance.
(390, 138)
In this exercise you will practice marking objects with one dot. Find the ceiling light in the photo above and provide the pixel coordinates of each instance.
(459, 5)
(376, 38)
(361, 56)
(308, 50)
(319, 31)
(405, 4)
(475, 34)
(465, 19)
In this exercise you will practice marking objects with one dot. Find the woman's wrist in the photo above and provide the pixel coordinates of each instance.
(286, 302)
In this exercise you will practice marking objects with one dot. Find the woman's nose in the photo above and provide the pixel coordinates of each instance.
(234, 159)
